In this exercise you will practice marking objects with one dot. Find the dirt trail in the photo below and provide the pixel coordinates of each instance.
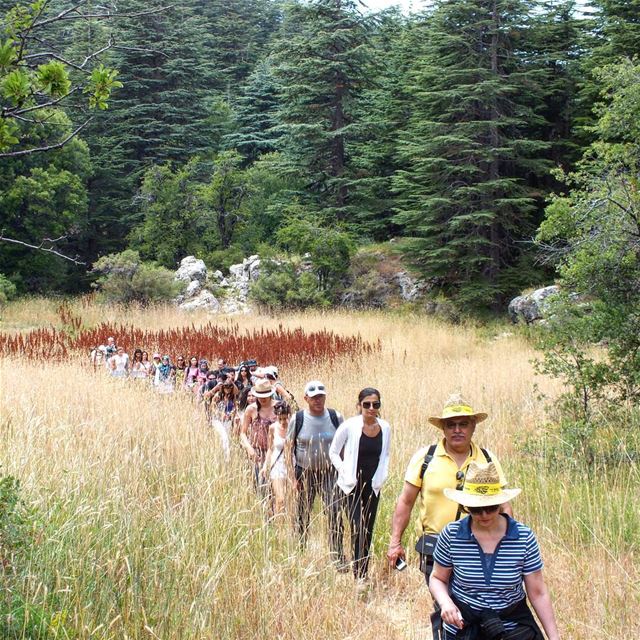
(402, 602)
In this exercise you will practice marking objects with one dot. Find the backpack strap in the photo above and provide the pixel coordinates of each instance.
(333, 414)
(427, 460)
(486, 455)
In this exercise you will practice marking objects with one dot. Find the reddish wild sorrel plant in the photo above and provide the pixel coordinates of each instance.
(281, 345)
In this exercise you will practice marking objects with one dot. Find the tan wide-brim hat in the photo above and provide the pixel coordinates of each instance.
(456, 407)
(481, 487)
(262, 388)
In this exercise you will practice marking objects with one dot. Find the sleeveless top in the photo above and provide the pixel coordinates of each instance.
(278, 467)
(259, 435)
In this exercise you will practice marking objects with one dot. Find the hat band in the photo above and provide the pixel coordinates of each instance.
(482, 489)
(456, 410)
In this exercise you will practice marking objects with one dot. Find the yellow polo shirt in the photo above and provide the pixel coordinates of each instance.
(436, 510)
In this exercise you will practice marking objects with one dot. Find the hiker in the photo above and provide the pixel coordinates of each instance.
(119, 364)
(254, 433)
(430, 470)
(164, 377)
(308, 440)
(181, 369)
(362, 469)
(111, 349)
(138, 370)
(481, 563)
(243, 378)
(275, 468)
(191, 374)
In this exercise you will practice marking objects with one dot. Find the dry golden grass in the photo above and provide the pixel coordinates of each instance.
(146, 532)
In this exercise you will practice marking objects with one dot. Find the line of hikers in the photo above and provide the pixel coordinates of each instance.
(479, 563)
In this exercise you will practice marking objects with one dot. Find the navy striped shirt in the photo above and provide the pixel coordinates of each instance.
(487, 580)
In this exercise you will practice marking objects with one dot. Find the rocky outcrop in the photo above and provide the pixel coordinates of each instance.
(191, 269)
(233, 289)
(530, 307)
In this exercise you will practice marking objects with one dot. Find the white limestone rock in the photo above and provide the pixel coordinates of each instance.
(204, 300)
(191, 268)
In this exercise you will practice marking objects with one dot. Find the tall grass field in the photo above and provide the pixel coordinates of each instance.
(133, 526)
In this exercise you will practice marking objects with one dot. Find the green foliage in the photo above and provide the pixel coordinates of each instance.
(321, 63)
(287, 285)
(31, 31)
(15, 525)
(592, 233)
(329, 250)
(7, 289)
(103, 82)
(126, 279)
(470, 147)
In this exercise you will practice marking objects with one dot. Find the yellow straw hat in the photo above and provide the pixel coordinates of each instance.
(456, 406)
(481, 487)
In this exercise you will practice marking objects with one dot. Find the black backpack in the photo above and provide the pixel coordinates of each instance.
(300, 419)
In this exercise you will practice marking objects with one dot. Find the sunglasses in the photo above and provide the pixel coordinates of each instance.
(460, 479)
(476, 511)
(371, 405)
(320, 387)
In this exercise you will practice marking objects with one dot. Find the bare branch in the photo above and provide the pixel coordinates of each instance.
(25, 152)
(154, 51)
(79, 67)
(46, 245)
(68, 15)
(51, 103)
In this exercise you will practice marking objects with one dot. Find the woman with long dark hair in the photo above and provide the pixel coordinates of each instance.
(138, 369)
(254, 433)
(362, 469)
(275, 467)
(243, 378)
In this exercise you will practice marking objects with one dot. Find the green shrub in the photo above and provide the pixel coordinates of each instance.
(126, 279)
(7, 289)
(283, 285)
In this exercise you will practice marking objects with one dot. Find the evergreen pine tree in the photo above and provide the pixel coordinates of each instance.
(255, 115)
(321, 62)
(467, 150)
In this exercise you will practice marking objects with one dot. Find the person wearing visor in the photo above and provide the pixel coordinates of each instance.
(483, 565)
(309, 438)
(432, 469)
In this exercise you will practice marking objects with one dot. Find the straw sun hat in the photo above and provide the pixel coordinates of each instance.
(455, 407)
(481, 487)
(262, 388)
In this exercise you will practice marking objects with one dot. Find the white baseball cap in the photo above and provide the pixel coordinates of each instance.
(314, 388)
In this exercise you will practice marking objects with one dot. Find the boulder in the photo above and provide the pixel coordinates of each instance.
(530, 307)
(236, 270)
(411, 289)
(204, 300)
(191, 268)
(254, 270)
(193, 289)
(217, 276)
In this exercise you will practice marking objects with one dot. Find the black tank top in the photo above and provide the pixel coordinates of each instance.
(369, 451)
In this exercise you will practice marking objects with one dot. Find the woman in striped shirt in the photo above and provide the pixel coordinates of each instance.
(481, 563)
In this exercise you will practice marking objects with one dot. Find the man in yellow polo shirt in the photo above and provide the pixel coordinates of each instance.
(432, 469)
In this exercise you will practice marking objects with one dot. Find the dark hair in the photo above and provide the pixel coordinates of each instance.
(136, 352)
(282, 408)
(368, 391)
(242, 401)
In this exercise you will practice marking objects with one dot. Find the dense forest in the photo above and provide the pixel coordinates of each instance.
(222, 129)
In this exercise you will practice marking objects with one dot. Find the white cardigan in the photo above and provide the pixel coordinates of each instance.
(348, 436)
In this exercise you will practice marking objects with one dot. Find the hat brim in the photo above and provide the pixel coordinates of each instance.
(439, 422)
(264, 394)
(473, 500)
(316, 393)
